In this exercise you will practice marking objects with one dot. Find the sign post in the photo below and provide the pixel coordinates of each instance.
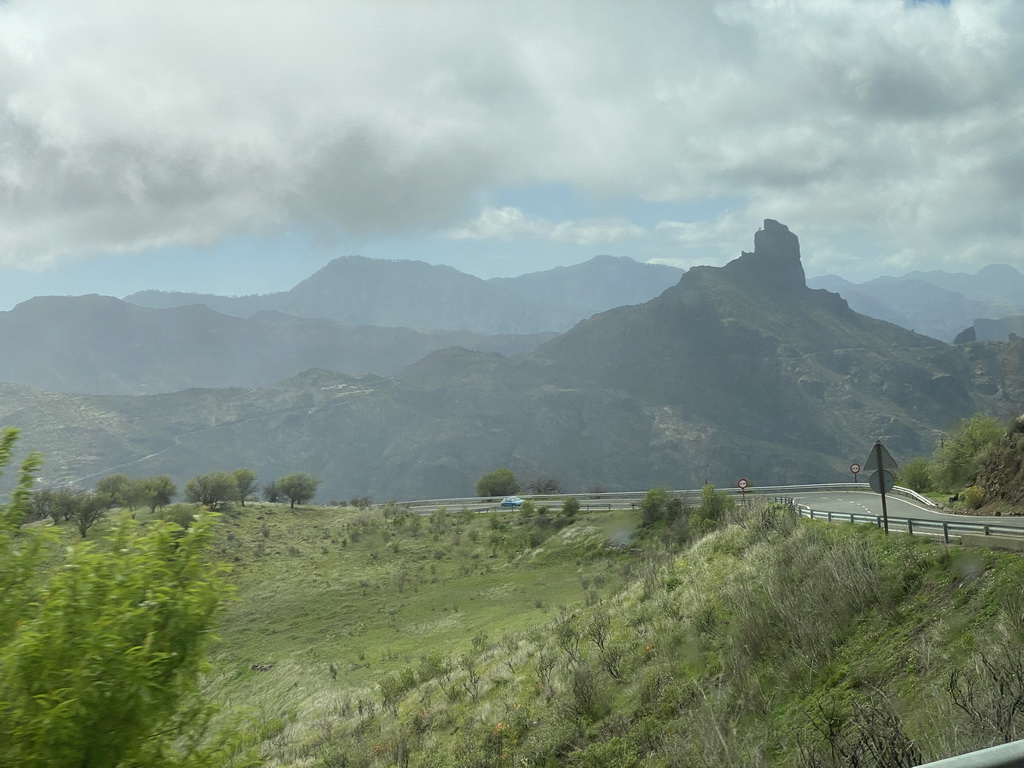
(855, 469)
(881, 464)
(742, 485)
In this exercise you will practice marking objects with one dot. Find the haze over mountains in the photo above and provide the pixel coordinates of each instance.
(101, 345)
(937, 304)
(734, 371)
(413, 294)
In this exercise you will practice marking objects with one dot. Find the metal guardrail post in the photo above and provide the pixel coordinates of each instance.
(945, 533)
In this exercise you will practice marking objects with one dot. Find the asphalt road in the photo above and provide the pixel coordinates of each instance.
(841, 503)
(868, 503)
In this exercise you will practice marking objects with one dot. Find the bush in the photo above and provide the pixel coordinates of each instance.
(973, 497)
(958, 459)
(500, 482)
(116, 636)
(653, 506)
(711, 512)
(570, 508)
(179, 514)
(916, 475)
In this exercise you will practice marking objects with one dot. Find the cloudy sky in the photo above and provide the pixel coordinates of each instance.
(236, 147)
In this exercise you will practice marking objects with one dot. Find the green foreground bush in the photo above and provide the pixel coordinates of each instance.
(100, 656)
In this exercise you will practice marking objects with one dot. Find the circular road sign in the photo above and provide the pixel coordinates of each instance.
(742, 484)
(882, 479)
(855, 468)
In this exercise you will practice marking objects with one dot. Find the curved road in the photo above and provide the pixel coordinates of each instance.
(870, 503)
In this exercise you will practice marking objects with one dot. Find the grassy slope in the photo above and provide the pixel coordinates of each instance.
(459, 641)
(368, 593)
(741, 650)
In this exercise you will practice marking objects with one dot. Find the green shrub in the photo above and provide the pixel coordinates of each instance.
(973, 496)
(179, 514)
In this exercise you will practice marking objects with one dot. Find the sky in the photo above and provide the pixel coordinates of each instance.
(236, 147)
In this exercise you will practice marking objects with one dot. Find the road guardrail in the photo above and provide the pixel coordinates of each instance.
(912, 525)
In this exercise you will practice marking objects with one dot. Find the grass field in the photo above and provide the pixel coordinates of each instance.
(334, 599)
(742, 637)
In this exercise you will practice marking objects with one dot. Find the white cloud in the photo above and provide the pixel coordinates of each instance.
(510, 223)
(130, 125)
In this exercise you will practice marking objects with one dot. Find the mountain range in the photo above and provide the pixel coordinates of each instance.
(413, 294)
(102, 345)
(935, 303)
(741, 370)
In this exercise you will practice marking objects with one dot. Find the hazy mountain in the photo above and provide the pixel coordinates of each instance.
(413, 294)
(994, 283)
(603, 282)
(985, 329)
(102, 345)
(735, 371)
(937, 304)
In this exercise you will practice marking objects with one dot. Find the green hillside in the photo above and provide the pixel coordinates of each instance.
(721, 633)
(497, 640)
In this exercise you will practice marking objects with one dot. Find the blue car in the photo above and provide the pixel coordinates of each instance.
(511, 501)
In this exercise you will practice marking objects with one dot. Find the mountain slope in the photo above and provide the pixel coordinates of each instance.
(602, 283)
(738, 371)
(101, 345)
(750, 348)
(937, 304)
(409, 294)
(413, 294)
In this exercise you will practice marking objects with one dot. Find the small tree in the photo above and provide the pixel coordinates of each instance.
(86, 509)
(272, 493)
(298, 488)
(157, 491)
(211, 490)
(245, 482)
(570, 508)
(916, 475)
(58, 503)
(122, 491)
(544, 486)
(44, 505)
(500, 482)
(652, 507)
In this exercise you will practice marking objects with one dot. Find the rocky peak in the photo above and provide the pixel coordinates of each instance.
(775, 262)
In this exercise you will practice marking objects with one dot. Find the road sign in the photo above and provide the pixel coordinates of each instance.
(882, 481)
(879, 458)
(881, 464)
(855, 468)
(742, 484)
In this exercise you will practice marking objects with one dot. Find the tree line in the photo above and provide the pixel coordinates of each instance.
(84, 508)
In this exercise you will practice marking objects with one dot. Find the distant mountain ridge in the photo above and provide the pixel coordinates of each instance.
(102, 345)
(413, 294)
(935, 303)
(735, 371)
(602, 283)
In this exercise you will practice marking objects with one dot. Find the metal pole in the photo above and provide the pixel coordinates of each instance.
(881, 484)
